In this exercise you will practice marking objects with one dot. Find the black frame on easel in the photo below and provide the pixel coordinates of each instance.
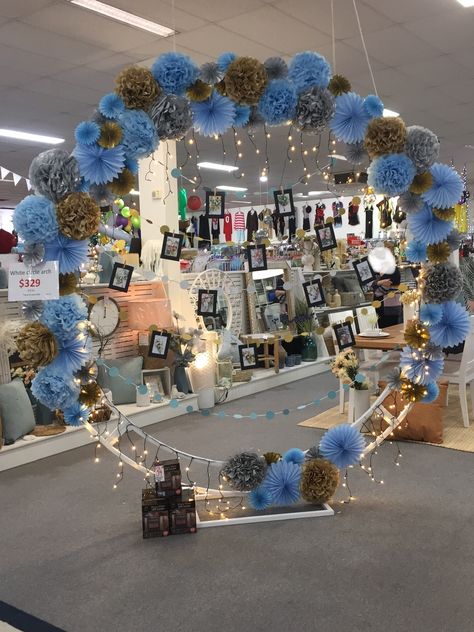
(261, 247)
(199, 310)
(289, 193)
(338, 330)
(363, 282)
(120, 266)
(242, 348)
(167, 236)
(221, 195)
(333, 244)
(162, 334)
(321, 292)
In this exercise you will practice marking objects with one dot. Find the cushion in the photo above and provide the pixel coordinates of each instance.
(131, 370)
(16, 411)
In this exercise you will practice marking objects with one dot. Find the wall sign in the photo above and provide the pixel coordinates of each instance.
(38, 283)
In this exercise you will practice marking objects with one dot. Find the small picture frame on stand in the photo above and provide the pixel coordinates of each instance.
(207, 302)
(326, 237)
(248, 356)
(257, 257)
(313, 291)
(159, 344)
(344, 335)
(284, 202)
(172, 245)
(215, 204)
(364, 272)
(121, 277)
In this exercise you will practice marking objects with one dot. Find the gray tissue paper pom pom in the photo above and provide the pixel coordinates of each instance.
(356, 153)
(314, 110)
(172, 117)
(244, 471)
(276, 68)
(101, 194)
(410, 202)
(54, 174)
(454, 239)
(443, 282)
(312, 453)
(210, 73)
(422, 147)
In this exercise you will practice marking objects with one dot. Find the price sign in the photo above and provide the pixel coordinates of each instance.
(33, 284)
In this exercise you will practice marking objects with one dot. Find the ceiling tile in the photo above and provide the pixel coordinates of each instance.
(116, 62)
(67, 91)
(88, 78)
(432, 28)
(460, 90)
(152, 51)
(405, 10)
(161, 11)
(26, 61)
(436, 71)
(20, 8)
(350, 61)
(10, 77)
(217, 11)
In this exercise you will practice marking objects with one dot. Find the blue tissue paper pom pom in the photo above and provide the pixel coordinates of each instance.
(61, 316)
(260, 498)
(213, 116)
(278, 103)
(242, 115)
(76, 414)
(111, 106)
(427, 228)
(431, 394)
(294, 455)
(309, 69)
(174, 72)
(283, 482)
(453, 327)
(98, 165)
(70, 253)
(132, 165)
(54, 390)
(139, 135)
(87, 133)
(350, 119)
(446, 189)
(418, 368)
(73, 354)
(416, 251)
(391, 174)
(224, 60)
(342, 445)
(373, 106)
(431, 313)
(34, 219)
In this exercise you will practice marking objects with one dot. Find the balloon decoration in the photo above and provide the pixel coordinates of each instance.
(194, 202)
(182, 202)
(125, 211)
(121, 221)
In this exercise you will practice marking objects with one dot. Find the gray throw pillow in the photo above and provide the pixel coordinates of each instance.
(16, 411)
(123, 392)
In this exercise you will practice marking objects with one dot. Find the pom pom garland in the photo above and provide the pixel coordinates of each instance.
(350, 119)
(73, 354)
(374, 107)
(111, 106)
(53, 390)
(421, 182)
(78, 216)
(319, 481)
(446, 214)
(68, 252)
(224, 60)
(36, 345)
(442, 282)
(308, 69)
(242, 115)
(356, 153)
(278, 103)
(101, 194)
(416, 251)
(422, 147)
(123, 183)
(431, 313)
(385, 136)
(110, 134)
(276, 68)
(410, 203)
(294, 455)
(342, 445)
(99, 165)
(339, 85)
(454, 239)
(244, 471)
(314, 110)
(260, 498)
(432, 393)
(428, 228)
(391, 174)
(63, 315)
(67, 283)
(213, 116)
(172, 117)
(54, 173)
(174, 72)
(34, 219)
(76, 414)
(87, 133)
(419, 369)
(271, 457)
(139, 135)
(136, 87)
(210, 73)
(90, 393)
(282, 482)
(416, 334)
(438, 253)
(394, 379)
(413, 392)
(453, 327)
(199, 91)
(446, 189)
(245, 80)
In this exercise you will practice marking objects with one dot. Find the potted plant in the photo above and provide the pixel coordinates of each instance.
(305, 327)
(346, 367)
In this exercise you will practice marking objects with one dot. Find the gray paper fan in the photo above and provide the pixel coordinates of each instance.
(33, 255)
(172, 117)
(210, 73)
(410, 202)
(32, 310)
(356, 153)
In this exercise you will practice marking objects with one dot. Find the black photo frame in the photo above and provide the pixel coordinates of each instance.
(246, 353)
(172, 246)
(344, 335)
(120, 277)
(326, 237)
(215, 204)
(203, 306)
(257, 261)
(313, 291)
(282, 208)
(159, 344)
(364, 272)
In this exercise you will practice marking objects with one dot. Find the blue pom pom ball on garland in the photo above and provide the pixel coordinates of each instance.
(418, 368)
(224, 60)
(63, 315)
(34, 219)
(174, 72)
(76, 414)
(260, 498)
(294, 455)
(431, 313)
(54, 390)
(111, 106)
(427, 228)
(213, 116)
(416, 251)
(98, 165)
(446, 189)
(283, 482)
(342, 445)
(278, 103)
(242, 115)
(309, 69)
(87, 133)
(350, 119)
(432, 393)
(139, 134)
(373, 106)
(453, 327)
(391, 174)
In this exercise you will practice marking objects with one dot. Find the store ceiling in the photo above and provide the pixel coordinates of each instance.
(57, 60)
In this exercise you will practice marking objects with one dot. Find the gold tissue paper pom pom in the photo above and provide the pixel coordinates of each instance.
(416, 334)
(319, 481)
(67, 283)
(90, 394)
(413, 392)
(123, 183)
(36, 344)
(421, 183)
(438, 253)
(110, 135)
(339, 85)
(245, 80)
(78, 216)
(447, 214)
(199, 91)
(385, 136)
(137, 87)
(272, 457)
(221, 89)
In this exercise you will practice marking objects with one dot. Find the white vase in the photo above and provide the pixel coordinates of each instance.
(359, 403)
(408, 313)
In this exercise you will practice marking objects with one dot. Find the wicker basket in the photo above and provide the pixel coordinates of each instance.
(242, 376)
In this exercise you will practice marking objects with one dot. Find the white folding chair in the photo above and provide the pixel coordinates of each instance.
(462, 373)
(334, 319)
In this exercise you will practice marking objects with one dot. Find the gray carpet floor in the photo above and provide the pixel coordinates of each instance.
(400, 557)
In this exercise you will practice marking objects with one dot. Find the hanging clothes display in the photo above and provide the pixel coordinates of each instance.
(265, 221)
(228, 226)
(292, 227)
(251, 224)
(336, 213)
(385, 213)
(203, 232)
(239, 227)
(399, 216)
(353, 214)
(306, 218)
(275, 218)
(281, 225)
(319, 214)
(369, 221)
(215, 230)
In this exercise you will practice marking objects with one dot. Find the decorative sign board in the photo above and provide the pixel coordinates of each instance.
(40, 283)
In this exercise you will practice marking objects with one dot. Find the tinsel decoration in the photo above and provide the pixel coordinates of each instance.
(428, 228)
(260, 498)
(356, 153)
(245, 80)
(314, 110)
(54, 173)
(438, 253)
(432, 393)
(309, 69)
(442, 282)
(282, 482)
(339, 85)
(454, 239)
(199, 91)
(210, 73)
(70, 253)
(446, 189)
(87, 133)
(137, 87)
(111, 106)
(244, 471)
(350, 119)
(278, 102)
(78, 216)
(431, 313)
(410, 203)
(276, 68)
(413, 392)
(242, 115)
(213, 116)
(76, 414)
(446, 214)
(453, 327)
(101, 194)
(34, 219)
(139, 135)
(385, 136)
(373, 106)
(99, 165)
(416, 334)
(419, 369)
(123, 183)
(90, 394)
(110, 134)
(421, 182)
(67, 283)
(73, 354)
(416, 251)
(294, 455)
(172, 117)
(422, 147)
(174, 72)
(319, 481)
(53, 390)
(394, 379)
(36, 345)
(32, 310)
(391, 174)
(33, 255)
(342, 445)
(271, 457)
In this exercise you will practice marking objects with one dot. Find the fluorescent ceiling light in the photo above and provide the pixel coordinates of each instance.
(225, 187)
(239, 202)
(263, 178)
(37, 138)
(466, 3)
(387, 113)
(337, 156)
(216, 166)
(124, 16)
(317, 192)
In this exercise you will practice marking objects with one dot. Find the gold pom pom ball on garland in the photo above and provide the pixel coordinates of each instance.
(416, 334)
(123, 183)
(245, 80)
(339, 85)
(319, 481)
(438, 253)
(67, 283)
(90, 394)
(446, 214)
(110, 135)
(199, 91)
(36, 344)
(137, 87)
(421, 183)
(220, 88)
(272, 457)
(413, 392)
(78, 216)
(385, 136)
